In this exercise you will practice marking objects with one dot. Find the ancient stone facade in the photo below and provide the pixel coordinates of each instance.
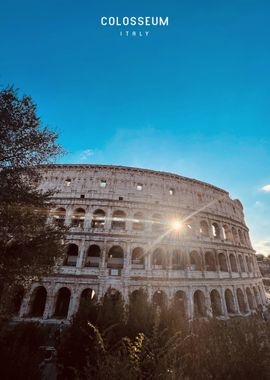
(175, 237)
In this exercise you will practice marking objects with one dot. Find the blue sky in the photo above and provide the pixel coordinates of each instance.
(192, 98)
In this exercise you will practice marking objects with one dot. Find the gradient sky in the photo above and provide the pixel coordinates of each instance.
(192, 98)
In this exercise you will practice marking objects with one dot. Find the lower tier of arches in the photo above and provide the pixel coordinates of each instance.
(60, 299)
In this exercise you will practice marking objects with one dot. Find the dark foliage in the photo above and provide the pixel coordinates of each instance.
(28, 245)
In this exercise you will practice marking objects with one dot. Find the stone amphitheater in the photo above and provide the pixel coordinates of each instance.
(179, 239)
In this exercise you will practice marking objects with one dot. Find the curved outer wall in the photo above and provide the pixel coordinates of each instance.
(209, 264)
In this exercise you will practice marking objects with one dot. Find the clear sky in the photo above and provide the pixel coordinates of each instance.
(191, 98)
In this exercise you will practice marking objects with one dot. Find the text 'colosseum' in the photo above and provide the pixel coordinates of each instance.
(175, 237)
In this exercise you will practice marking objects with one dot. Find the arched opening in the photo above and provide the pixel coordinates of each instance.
(249, 263)
(210, 264)
(138, 308)
(78, 217)
(160, 299)
(93, 256)
(250, 299)
(138, 224)
(195, 261)
(59, 216)
(112, 308)
(233, 263)
(235, 235)
(189, 227)
(115, 257)
(204, 229)
(62, 303)
(38, 301)
(241, 262)
(199, 304)
(178, 260)
(18, 295)
(216, 303)
(257, 297)
(138, 295)
(87, 299)
(226, 232)
(222, 262)
(72, 255)
(241, 301)
(137, 258)
(180, 303)
(118, 220)
(158, 259)
(241, 238)
(215, 231)
(156, 223)
(98, 220)
(229, 301)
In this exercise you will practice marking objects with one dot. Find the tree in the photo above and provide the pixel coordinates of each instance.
(29, 246)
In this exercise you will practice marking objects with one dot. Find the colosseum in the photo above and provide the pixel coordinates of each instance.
(174, 237)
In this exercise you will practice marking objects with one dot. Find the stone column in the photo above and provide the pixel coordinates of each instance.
(82, 253)
(74, 303)
(50, 302)
(190, 305)
(236, 301)
(25, 306)
(223, 303)
(208, 305)
(108, 219)
(69, 214)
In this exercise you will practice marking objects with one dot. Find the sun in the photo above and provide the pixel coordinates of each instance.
(176, 225)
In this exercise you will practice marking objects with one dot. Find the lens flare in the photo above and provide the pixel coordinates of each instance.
(176, 225)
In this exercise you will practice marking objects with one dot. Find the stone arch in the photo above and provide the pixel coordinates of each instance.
(87, 298)
(241, 262)
(71, 255)
(160, 299)
(137, 257)
(249, 263)
(215, 230)
(98, 219)
(17, 299)
(78, 217)
(216, 303)
(119, 220)
(241, 301)
(114, 295)
(195, 261)
(210, 264)
(222, 262)
(250, 299)
(38, 301)
(233, 262)
(226, 232)
(178, 261)
(204, 228)
(158, 258)
(138, 296)
(62, 303)
(235, 235)
(199, 304)
(115, 257)
(180, 303)
(229, 300)
(241, 237)
(189, 227)
(138, 221)
(59, 216)
(257, 296)
(93, 256)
